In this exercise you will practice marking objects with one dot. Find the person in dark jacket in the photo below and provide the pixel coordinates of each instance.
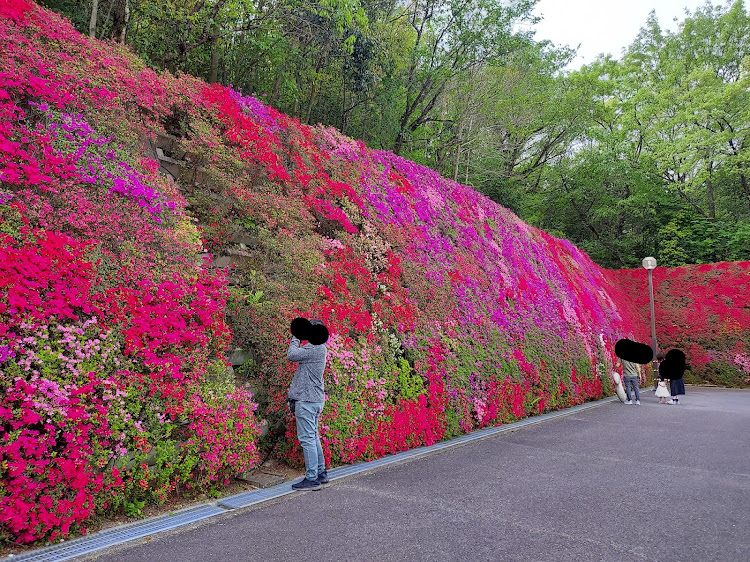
(673, 368)
(307, 395)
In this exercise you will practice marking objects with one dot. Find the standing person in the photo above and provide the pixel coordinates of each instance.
(632, 374)
(673, 368)
(662, 391)
(307, 397)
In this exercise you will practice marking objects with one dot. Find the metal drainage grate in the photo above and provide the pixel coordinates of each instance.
(246, 499)
(118, 535)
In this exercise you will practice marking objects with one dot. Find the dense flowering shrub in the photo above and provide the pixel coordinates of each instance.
(111, 332)
(44, 494)
(447, 312)
(703, 310)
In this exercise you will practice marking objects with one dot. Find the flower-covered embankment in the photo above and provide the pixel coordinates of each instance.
(148, 222)
(703, 310)
(112, 333)
(447, 312)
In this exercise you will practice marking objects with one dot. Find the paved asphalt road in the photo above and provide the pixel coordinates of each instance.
(616, 482)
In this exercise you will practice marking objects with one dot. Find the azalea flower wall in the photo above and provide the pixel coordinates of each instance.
(447, 312)
(703, 310)
(111, 332)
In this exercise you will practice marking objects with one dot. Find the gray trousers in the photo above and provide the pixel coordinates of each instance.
(307, 414)
(634, 382)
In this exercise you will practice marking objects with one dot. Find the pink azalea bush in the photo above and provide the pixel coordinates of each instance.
(111, 330)
(447, 313)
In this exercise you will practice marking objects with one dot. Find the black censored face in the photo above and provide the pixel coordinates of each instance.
(673, 366)
(301, 328)
(318, 334)
(313, 330)
(634, 352)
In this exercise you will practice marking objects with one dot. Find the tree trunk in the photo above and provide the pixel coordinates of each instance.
(275, 90)
(364, 123)
(745, 187)
(94, 16)
(213, 69)
(126, 17)
(120, 19)
(468, 151)
(105, 23)
(458, 151)
(398, 143)
(343, 107)
(743, 181)
(710, 193)
(311, 101)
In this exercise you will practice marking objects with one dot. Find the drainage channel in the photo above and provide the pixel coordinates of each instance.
(119, 535)
(140, 529)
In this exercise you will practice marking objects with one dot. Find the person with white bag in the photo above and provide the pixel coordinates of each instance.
(631, 355)
(632, 375)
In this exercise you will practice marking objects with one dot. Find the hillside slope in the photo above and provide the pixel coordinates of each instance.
(150, 222)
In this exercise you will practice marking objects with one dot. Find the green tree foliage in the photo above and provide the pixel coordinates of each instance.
(527, 122)
(451, 38)
(661, 167)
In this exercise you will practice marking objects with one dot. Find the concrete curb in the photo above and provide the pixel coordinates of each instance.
(139, 529)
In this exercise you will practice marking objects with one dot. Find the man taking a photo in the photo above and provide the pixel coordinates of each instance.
(307, 397)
